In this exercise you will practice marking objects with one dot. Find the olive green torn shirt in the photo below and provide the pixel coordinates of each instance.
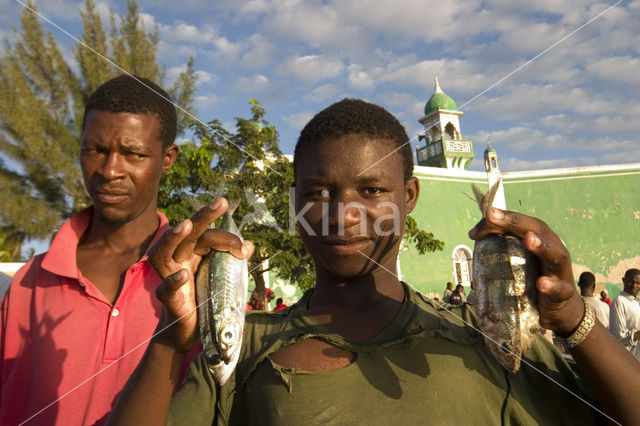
(427, 367)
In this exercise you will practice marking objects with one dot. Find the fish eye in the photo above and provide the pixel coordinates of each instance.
(228, 335)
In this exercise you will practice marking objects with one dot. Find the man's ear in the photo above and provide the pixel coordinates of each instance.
(170, 156)
(411, 192)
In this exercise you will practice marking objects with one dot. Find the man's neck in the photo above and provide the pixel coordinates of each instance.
(356, 294)
(121, 237)
(357, 309)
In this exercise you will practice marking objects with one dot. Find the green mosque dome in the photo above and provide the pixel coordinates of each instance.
(440, 100)
(489, 149)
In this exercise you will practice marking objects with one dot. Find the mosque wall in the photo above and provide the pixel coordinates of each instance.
(594, 210)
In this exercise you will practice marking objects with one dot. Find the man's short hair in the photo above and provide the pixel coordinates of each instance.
(355, 117)
(631, 273)
(586, 280)
(136, 95)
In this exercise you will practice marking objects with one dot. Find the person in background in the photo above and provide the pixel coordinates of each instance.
(76, 309)
(624, 317)
(471, 297)
(457, 297)
(257, 303)
(604, 296)
(279, 304)
(447, 292)
(587, 284)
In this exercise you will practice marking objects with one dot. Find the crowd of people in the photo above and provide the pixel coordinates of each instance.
(102, 328)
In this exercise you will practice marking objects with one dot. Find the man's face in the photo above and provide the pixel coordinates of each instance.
(632, 285)
(352, 214)
(122, 159)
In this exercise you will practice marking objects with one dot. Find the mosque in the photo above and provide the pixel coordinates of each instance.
(595, 210)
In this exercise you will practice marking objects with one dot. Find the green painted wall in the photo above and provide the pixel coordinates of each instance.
(596, 212)
(596, 215)
(444, 209)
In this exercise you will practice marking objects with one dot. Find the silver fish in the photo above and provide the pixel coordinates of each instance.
(221, 291)
(504, 284)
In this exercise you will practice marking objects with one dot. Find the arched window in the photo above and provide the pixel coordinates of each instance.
(462, 259)
(450, 130)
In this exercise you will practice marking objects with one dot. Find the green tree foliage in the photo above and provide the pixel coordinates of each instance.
(42, 106)
(249, 167)
(422, 240)
(10, 249)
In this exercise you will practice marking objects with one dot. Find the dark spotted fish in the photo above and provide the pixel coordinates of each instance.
(221, 291)
(504, 283)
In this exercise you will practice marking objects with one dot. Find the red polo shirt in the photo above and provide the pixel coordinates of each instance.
(65, 351)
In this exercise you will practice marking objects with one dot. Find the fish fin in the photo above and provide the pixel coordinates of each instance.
(468, 196)
(483, 200)
(479, 197)
(233, 205)
(197, 204)
(491, 195)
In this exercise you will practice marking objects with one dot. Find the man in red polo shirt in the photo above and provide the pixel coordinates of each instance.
(76, 320)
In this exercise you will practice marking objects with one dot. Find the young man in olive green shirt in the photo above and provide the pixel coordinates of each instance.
(362, 346)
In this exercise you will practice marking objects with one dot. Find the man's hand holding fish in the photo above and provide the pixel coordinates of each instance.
(175, 258)
(562, 310)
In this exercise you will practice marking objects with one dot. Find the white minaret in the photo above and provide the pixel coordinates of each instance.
(444, 144)
(494, 175)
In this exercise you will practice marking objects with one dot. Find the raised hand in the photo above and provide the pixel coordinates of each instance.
(561, 307)
(176, 257)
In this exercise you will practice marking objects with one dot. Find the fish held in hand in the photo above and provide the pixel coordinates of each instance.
(221, 291)
(504, 283)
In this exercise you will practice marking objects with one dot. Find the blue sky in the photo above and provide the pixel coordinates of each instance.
(578, 104)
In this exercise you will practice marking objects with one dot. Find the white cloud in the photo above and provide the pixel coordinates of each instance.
(529, 101)
(299, 120)
(397, 99)
(324, 92)
(149, 21)
(173, 51)
(181, 32)
(250, 84)
(310, 22)
(359, 78)
(58, 9)
(259, 54)
(310, 68)
(617, 70)
(518, 138)
(204, 77)
(227, 49)
(255, 7)
(206, 101)
(103, 10)
(515, 164)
